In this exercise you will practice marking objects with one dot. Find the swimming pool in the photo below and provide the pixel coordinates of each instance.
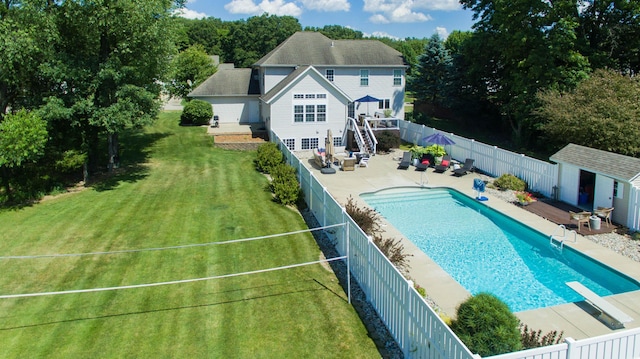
(486, 251)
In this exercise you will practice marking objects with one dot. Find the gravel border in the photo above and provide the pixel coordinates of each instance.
(378, 332)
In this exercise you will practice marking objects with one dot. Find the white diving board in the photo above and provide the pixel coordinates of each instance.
(609, 313)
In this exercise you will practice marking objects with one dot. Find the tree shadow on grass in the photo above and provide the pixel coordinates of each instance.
(134, 153)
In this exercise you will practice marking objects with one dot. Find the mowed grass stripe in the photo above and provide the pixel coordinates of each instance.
(176, 189)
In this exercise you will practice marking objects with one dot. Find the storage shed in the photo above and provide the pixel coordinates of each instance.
(591, 178)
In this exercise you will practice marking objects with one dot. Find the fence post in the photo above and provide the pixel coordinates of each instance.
(571, 346)
(406, 337)
(369, 266)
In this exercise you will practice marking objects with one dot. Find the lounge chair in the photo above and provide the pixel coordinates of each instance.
(443, 165)
(467, 167)
(406, 161)
(580, 217)
(604, 213)
(424, 162)
(364, 162)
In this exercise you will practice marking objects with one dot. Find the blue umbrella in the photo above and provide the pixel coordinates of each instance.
(367, 99)
(438, 139)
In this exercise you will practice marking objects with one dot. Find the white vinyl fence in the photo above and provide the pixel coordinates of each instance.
(541, 176)
(417, 329)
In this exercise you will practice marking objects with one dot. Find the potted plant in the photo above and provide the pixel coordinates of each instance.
(416, 153)
(436, 151)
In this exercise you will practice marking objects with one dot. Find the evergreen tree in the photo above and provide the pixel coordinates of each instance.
(431, 79)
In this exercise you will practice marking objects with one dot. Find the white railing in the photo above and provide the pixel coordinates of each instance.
(371, 138)
(353, 126)
(541, 176)
(416, 327)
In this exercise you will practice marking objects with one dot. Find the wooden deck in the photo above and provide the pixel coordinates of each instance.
(558, 212)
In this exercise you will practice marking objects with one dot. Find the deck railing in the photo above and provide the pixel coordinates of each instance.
(416, 327)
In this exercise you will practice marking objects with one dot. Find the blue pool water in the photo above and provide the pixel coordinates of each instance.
(486, 251)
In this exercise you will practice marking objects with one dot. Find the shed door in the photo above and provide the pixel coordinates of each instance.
(603, 194)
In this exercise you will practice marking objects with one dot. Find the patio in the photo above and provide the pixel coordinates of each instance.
(573, 318)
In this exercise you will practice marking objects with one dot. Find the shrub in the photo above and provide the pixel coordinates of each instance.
(533, 339)
(196, 112)
(284, 184)
(268, 156)
(388, 140)
(368, 220)
(487, 326)
(509, 181)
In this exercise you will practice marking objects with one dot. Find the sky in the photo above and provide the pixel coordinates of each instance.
(397, 19)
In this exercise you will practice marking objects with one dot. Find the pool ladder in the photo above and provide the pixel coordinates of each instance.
(558, 237)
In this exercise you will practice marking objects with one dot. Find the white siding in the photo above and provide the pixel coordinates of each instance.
(240, 109)
(273, 76)
(281, 111)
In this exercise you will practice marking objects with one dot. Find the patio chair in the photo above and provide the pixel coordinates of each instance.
(580, 217)
(424, 162)
(364, 162)
(604, 213)
(444, 164)
(405, 162)
(467, 167)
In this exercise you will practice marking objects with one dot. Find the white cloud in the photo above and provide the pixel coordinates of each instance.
(442, 32)
(242, 7)
(273, 7)
(396, 11)
(446, 5)
(382, 34)
(379, 19)
(326, 5)
(190, 14)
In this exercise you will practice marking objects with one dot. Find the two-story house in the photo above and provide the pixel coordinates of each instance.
(307, 85)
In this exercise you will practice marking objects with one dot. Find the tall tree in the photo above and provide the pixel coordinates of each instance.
(431, 78)
(111, 56)
(189, 69)
(26, 37)
(526, 46)
(603, 112)
(610, 31)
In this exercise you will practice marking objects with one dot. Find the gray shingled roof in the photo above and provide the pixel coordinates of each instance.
(313, 48)
(598, 161)
(228, 82)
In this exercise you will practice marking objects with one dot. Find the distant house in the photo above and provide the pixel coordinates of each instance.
(307, 85)
(591, 178)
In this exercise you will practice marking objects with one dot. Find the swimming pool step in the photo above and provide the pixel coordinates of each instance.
(407, 196)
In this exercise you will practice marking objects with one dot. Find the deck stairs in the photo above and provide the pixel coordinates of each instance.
(561, 235)
(364, 136)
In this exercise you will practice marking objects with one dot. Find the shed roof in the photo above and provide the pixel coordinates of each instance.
(313, 48)
(228, 82)
(598, 161)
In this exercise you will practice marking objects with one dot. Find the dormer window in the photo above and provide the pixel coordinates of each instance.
(364, 77)
(328, 73)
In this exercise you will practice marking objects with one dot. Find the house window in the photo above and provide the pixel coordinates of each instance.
(351, 110)
(309, 143)
(337, 141)
(310, 113)
(397, 77)
(384, 104)
(321, 113)
(298, 113)
(310, 95)
(290, 143)
(364, 77)
(329, 74)
(321, 95)
(298, 95)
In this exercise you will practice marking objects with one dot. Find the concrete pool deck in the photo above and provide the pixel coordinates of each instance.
(575, 319)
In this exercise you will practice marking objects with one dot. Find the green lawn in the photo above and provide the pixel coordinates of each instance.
(177, 189)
